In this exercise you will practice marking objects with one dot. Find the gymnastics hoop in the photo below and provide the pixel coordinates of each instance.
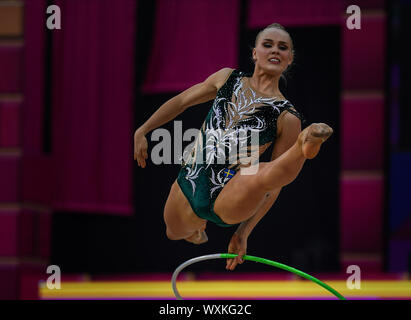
(249, 258)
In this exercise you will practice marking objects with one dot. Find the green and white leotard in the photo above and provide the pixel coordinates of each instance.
(237, 112)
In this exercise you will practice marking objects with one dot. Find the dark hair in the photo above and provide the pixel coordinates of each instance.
(277, 26)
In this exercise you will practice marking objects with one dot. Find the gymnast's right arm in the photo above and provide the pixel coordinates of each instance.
(199, 93)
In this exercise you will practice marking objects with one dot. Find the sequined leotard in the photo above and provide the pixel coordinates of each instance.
(237, 113)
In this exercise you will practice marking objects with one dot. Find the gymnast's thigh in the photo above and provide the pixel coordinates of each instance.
(178, 211)
(240, 197)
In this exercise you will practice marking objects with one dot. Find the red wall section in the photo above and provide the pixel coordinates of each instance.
(9, 124)
(364, 54)
(293, 13)
(9, 246)
(9, 179)
(9, 277)
(366, 4)
(361, 213)
(24, 233)
(34, 234)
(362, 133)
(183, 60)
(11, 69)
(37, 178)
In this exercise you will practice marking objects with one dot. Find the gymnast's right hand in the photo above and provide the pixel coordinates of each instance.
(237, 245)
(140, 148)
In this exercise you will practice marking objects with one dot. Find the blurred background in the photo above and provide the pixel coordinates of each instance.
(71, 98)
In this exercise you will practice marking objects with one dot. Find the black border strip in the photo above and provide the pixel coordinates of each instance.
(48, 87)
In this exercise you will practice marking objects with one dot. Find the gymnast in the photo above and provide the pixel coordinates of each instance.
(223, 192)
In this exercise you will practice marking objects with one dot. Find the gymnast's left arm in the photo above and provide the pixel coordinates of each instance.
(288, 129)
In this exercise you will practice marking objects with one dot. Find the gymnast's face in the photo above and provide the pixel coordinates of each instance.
(273, 52)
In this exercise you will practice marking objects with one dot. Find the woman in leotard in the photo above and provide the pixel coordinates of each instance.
(221, 179)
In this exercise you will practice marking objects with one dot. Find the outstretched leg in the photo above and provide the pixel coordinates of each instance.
(243, 193)
(286, 168)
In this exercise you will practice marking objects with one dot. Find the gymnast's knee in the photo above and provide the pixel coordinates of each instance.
(171, 235)
(282, 176)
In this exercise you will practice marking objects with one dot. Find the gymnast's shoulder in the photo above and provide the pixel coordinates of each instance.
(218, 78)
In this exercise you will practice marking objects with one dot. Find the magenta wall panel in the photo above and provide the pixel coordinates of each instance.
(362, 201)
(9, 223)
(366, 4)
(32, 117)
(188, 57)
(93, 103)
(363, 133)
(9, 179)
(21, 280)
(43, 235)
(364, 55)
(9, 124)
(30, 276)
(9, 278)
(294, 13)
(34, 234)
(368, 264)
(37, 178)
(27, 234)
(11, 72)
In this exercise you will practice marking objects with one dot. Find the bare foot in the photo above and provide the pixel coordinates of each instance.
(312, 137)
(198, 237)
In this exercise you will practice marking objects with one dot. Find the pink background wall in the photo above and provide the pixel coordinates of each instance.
(90, 168)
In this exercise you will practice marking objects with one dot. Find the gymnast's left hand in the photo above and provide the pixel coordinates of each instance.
(140, 148)
(237, 245)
